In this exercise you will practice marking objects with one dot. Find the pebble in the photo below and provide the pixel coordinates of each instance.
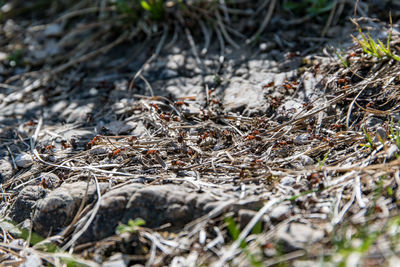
(302, 139)
(306, 160)
(380, 135)
(373, 122)
(280, 213)
(6, 170)
(287, 181)
(23, 160)
(298, 236)
(392, 151)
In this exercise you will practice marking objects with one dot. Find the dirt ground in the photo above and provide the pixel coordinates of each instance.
(162, 145)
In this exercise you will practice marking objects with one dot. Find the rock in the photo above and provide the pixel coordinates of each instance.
(242, 94)
(287, 181)
(32, 260)
(23, 160)
(156, 205)
(392, 151)
(306, 160)
(53, 30)
(116, 260)
(59, 207)
(99, 150)
(110, 213)
(279, 213)
(118, 128)
(25, 202)
(296, 236)
(373, 122)
(381, 135)
(6, 170)
(78, 112)
(302, 139)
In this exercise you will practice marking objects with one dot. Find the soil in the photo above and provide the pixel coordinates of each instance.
(273, 152)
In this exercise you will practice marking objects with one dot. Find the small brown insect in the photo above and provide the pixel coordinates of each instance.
(155, 106)
(181, 137)
(30, 123)
(165, 117)
(132, 138)
(315, 178)
(152, 151)
(50, 147)
(250, 137)
(64, 144)
(116, 152)
(288, 86)
(258, 161)
(180, 103)
(95, 139)
(336, 126)
(352, 54)
(178, 162)
(270, 84)
(215, 101)
(44, 182)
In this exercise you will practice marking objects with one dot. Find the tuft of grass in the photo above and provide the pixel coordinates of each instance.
(368, 139)
(344, 61)
(375, 48)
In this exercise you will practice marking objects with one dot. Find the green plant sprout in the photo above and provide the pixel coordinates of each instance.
(344, 61)
(155, 7)
(375, 48)
(234, 232)
(369, 139)
(322, 162)
(131, 227)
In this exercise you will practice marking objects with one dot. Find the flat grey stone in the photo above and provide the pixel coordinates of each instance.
(280, 212)
(296, 236)
(25, 202)
(392, 151)
(59, 207)
(302, 139)
(6, 170)
(156, 205)
(242, 94)
(23, 160)
(287, 181)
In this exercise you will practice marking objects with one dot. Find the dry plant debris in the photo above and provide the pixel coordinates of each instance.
(184, 180)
